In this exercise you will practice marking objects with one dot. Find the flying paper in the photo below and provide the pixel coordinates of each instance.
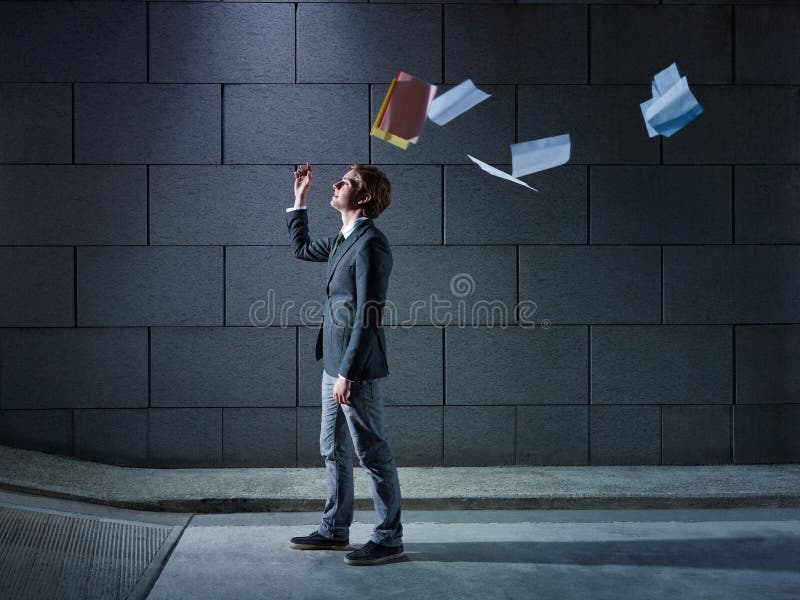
(498, 173)
(403, 111)
(460, 99)
(538, 155)
(532, 157)
(672, 106)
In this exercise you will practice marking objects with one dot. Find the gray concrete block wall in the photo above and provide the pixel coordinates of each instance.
(642, 308)
(746, 124)
(36, 123)
(183, 44)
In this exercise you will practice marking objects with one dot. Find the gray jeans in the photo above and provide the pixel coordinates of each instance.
(363, 420)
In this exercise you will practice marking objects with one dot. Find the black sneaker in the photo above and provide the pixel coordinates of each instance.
(317, 541)
(372, 554)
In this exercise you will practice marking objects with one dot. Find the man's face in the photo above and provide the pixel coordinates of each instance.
(344, 193)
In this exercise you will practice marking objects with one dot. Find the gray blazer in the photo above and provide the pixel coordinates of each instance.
(351, 339)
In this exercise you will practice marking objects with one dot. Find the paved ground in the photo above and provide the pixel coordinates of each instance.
(745, 553)
(564, 554)
(640, 532)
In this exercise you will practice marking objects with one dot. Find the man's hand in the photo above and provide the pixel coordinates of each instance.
(341, 391)
(302, 181)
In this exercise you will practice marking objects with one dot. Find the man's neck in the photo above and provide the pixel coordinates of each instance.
(350, 216)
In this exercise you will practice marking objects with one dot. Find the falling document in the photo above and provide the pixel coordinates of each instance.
(672, 107)
(539, 155)
(455, 102)
(404, 109)
(532, 157)
(498, 173)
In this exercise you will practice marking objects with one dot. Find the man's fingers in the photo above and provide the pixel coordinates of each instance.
(340, 399)
(303, 170)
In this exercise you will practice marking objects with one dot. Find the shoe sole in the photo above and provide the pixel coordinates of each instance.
(317, 547)
(373, 561)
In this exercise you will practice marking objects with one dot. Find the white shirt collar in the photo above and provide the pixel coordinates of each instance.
(346, 231)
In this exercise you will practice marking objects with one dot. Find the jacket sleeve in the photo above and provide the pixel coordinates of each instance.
(303, 247)
(373, 267)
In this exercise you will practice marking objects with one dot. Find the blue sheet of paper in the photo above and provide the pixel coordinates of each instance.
(672, 106)
(665, 79)
(538, 155)
(452, 103)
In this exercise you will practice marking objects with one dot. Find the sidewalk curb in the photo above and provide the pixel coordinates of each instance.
(241, 490)
(248, 505)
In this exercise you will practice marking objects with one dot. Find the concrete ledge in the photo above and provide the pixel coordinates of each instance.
(502, 487)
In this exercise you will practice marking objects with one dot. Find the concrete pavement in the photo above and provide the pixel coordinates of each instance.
(566, 532)
(480, 555)
(731, 554)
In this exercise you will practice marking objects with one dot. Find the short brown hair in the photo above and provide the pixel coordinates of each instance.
(374, 182)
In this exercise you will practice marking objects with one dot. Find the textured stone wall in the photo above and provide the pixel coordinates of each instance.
(146, 158)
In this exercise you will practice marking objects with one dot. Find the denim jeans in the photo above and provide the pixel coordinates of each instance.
(363, 420)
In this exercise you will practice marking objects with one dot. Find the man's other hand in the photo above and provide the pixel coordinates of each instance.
(341, 391)
(302, 181)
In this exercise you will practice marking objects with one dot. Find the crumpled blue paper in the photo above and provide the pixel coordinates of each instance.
(672, 106)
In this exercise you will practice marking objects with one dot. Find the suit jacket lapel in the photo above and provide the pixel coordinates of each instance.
(345, 245)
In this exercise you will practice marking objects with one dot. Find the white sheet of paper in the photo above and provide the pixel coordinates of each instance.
(452, 103)
(538, 155)
(498, 173)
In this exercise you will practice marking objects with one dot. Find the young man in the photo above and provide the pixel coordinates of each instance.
(353, 347)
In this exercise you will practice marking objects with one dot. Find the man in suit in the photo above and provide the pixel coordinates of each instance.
(352, 344)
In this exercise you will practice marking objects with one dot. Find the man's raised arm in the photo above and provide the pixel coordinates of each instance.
(303, 247)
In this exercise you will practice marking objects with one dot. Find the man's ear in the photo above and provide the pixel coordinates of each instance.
(365, 198)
